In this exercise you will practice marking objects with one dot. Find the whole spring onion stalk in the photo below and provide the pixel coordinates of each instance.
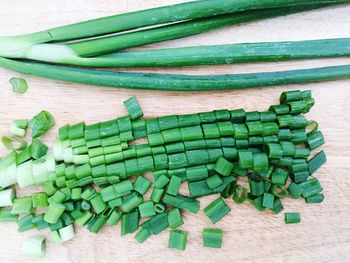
(17, 46)
(176, 82)
(215, 55)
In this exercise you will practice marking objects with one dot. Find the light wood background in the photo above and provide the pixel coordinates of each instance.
(249, 236)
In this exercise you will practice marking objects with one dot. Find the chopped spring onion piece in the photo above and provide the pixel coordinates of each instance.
(214, 181)
(158, 223)
(217, 210)
(66, 233)
(41, 123)
(6, 197)
(240, 194)
(212, 237)
(132, 201)
(279, 191)
(160, 208)
(54, 212)
(147, 209)
(19, 85)
(182, 202)
(39, 200)
(55, 237)
(177, 239)
(314, 199)
(114, 218)
(277, 206)
(310, 187)
(223, 167)
(38, 149)
(317, 161)
(133, 108)
(174, 185)
(142, 184)
(14, 143)
(292, 218)
(268, 200)
(130, 222)
(22, 205)
(7, 216)
(34, 246)
(19, 127)
(174, 218)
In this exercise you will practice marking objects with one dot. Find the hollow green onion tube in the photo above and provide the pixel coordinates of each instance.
(108, 44)
(34, 246)
(222, 54)
(177, 82)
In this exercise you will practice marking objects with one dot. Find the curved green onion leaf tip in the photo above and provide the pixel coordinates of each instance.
(174, 82)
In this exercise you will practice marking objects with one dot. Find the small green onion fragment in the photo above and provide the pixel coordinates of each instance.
(19, 128)
(223, 167)
(34, 246)
(130, 222)
(133, 108)
(38, 149)
(41, 123)
(14, 143)
(292, 218)
(317, 161)
(212, 237)
(240, 194)
(147, 209)
(268, 200)
(6, 197)
(7, 216)
(217, 210)
(315, 199)
(174, 185)
(66, 233)
(19, 85)
(177, 239)
(39, 200)
(174, 218)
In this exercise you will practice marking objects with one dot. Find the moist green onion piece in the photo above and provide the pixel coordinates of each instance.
(22, 205)
(96, 224)
(14, 143)
(54, 212)
(279, 191)
(41, 123)
(245, 159)
(174, 218)
(260, 162)
(142, 184)
(160, 208)
(133, 108)
(157, 194)
(295, 190)
(66, 233)
(315, 140)
(292, 218)
(177, 239)
(314, 199)
(38, 149)
(212, 237)
(98, 204)
(277, 206)
(223, 167)
(19, 127)
(6, 216)
(39, 200)
(143, 235)
(132, 201)
(317, 161)
(34, 246)
(25, 223)
(217, 210)
(257, 203)
(268, 200)
(183, 202)
(240, 194)
(147, 209)
(19, 85)
(130, 222)
(83, 219)
(256, 187)
(161, 182)
(158, 223)
(214, 181)
(174, 185)
(310, 187)
(201, 188)
(6, 197)
(114, 218)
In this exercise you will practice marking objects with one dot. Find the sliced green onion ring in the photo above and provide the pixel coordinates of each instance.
(14, 143)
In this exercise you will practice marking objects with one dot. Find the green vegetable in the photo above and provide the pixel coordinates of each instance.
(34, 246)
(217, 210)
(41, 123)
(19, 85)
(177, 82)
(6, 197)
(14, 143)
(177, 239)
(292, 218)
(212, 237)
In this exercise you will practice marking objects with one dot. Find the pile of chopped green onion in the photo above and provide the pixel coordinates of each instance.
(94, 175)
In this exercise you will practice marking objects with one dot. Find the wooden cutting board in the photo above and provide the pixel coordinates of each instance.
(249, 236)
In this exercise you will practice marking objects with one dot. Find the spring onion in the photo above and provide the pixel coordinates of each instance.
(41, 123)
(34, 246)
(6, 197)
(14, 142)
(212, 237)
(19, 85)
(292, 218)
(177, 239)
(217, 210)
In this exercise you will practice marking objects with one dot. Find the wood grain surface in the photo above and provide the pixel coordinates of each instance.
(249, 236)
